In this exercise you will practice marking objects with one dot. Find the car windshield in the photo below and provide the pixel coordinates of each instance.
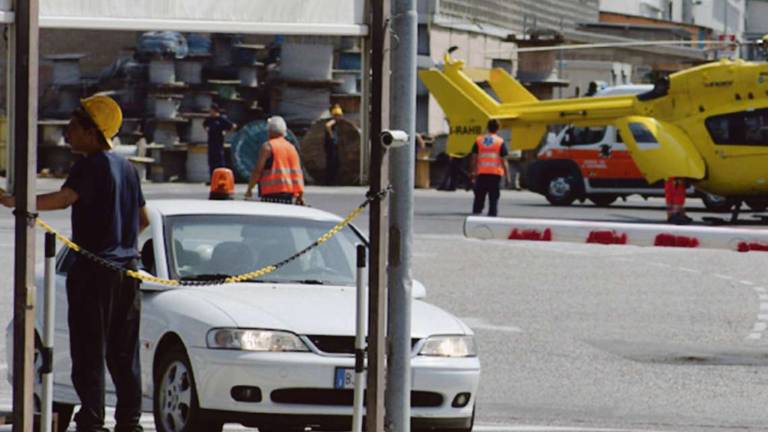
(207, 247)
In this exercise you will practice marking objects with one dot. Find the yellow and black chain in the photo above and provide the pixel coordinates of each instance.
(369, 197)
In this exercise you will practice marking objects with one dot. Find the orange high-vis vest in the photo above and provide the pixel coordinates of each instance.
(489, 155)
(285, 175)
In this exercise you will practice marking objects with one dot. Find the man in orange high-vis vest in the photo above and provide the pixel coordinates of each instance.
(489, 165)
(278, 170)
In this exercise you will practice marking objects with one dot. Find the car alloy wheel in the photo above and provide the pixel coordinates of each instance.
(175, 397)
(176, 406)
(560, 190)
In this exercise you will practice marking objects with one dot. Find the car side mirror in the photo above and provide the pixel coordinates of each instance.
(568, 138)
(605, 150)
(418, 290)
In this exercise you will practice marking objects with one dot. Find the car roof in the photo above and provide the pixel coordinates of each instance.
(180, 207)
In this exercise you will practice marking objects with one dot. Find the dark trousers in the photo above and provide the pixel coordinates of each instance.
(487, 184)
(104, 312)
(215, 156)
(280, 198)
(331, 163)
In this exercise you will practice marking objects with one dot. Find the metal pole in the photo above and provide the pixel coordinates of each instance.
(10, 94)
(379, 112)
(46, 414)
(365, 121)
(401, 172)
(360, 318)
(25, 155)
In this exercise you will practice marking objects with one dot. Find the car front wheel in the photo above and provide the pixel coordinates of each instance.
(176, 407)
(561, 190)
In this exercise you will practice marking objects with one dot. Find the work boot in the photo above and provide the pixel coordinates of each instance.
(679, 219)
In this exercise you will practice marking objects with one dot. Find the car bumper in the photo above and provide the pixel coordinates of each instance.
(295, 385)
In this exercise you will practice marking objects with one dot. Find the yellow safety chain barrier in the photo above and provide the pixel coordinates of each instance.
(231, 279)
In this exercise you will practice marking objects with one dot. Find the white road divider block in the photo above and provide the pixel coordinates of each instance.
(735, 239)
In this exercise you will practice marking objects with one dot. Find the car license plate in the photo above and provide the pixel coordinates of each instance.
(344, 378)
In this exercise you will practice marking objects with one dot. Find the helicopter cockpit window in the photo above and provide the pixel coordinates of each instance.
(747, 128)
(642, 134)
(578, 136)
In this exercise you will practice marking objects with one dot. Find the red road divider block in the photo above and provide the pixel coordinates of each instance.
(607, 237)
(534, 235)
(671, 240)
(752, 246)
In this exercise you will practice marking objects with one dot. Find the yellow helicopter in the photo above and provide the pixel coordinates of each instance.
(708, 124)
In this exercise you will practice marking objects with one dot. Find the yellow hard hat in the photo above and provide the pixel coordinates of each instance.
(105, 114)
(336, 110)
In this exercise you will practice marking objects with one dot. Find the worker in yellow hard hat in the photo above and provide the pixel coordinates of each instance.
(108, 213)
(331, 144)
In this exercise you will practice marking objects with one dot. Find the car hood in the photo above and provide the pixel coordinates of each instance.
(312, 309)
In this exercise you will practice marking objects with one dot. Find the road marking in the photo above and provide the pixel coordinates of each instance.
(759, 327)
(535, 428)
(746, 282)
(689, 270)
(481, 324)
(722, 276)
(760, 289)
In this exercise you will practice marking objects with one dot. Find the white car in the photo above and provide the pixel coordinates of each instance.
(272, 352)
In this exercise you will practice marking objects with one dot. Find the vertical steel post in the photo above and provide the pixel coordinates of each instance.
(365, 121)
(401, 172)
(377, 304)
(360, 318)
(46, 410)
(10, 98)
(25, 161)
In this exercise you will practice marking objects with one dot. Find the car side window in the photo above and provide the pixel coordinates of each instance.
(582, 136)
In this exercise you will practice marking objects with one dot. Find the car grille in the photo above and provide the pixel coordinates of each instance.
(339, 344)
(313, 396)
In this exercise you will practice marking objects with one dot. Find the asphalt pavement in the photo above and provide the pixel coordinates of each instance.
(571, 337)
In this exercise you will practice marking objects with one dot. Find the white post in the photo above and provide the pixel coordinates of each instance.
(360, 319)
(46, 351)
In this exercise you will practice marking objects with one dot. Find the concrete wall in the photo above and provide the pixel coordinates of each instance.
(709, 13)
(515, 14)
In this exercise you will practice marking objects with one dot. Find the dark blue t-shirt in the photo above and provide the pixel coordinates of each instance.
(105, 218)
(217, 127)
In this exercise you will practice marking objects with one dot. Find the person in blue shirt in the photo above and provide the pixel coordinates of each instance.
(108, 213)
(217, 125)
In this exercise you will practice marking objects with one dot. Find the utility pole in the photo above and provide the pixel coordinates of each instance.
(377, 303)
(25, 160)
(401, 170)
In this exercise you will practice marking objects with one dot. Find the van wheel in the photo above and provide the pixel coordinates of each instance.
(561, 190)
(603, 200)
(716, 203)
(758, 204)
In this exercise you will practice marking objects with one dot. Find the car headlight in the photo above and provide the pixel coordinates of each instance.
(449, 346)
(254, 340)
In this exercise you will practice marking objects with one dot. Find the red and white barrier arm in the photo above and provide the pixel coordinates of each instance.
(735, 239)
